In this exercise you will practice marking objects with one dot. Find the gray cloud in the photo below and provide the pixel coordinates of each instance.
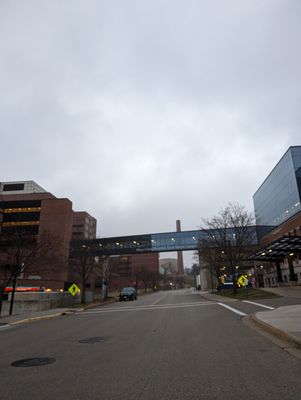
(147, 112)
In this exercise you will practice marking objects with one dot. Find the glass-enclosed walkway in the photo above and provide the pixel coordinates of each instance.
(148, 243)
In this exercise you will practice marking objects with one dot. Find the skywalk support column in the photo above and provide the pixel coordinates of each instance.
(204, 274)
(180, 253)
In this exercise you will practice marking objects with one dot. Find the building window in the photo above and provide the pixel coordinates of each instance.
(10, 187)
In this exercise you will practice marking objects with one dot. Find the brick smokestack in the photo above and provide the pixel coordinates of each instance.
(180, 254)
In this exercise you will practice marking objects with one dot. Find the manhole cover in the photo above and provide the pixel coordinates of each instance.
(33, 362)
(96, 339)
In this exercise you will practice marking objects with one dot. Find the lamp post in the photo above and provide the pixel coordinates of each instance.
(229, 253)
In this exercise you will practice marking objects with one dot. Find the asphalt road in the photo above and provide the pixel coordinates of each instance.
(169, 346)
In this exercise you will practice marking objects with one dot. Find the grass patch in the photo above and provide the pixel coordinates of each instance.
(248, 294)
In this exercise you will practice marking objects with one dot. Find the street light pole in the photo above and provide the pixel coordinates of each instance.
(232, 266)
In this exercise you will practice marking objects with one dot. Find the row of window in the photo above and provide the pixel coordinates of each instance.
(18, 217)
(20, 223)
(27, 229)
(21, 210)
(272, 281)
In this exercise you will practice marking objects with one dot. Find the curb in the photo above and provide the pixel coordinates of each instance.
(278, 333)
(27, 320)
(216, 297)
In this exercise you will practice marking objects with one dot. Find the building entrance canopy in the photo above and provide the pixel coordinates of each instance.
(155, 242)
(279, 249)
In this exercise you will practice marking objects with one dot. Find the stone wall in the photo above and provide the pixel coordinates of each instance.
(31, 302)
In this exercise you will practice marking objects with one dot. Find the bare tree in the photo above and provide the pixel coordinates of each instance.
(231, 236)
(149, 278)
(168, 270)
(83, 263)
(20, 253)
(194, 272)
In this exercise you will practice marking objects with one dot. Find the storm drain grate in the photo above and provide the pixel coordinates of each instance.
(33, 362)
(96, 339)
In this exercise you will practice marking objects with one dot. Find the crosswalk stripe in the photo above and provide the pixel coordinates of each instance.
(258, 304)
(232, 309)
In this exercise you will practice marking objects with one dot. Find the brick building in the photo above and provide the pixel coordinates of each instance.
(83, 225)
(128, 270)
(29, 210)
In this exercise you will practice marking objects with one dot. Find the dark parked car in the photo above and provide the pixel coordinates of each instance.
(128, 293)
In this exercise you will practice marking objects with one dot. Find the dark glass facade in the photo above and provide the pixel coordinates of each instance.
(13, 186)
(278, 198)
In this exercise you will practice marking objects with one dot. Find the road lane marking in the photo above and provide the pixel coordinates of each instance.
(232, 309)
(158, 300)
(146, 308)
(258, 304)
(5, 327)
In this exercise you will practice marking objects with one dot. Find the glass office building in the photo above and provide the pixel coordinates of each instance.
(279, 196)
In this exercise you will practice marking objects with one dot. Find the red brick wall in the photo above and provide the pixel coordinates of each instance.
(56, 220)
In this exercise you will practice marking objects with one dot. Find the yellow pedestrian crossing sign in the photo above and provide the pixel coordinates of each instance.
(74, 289)
(243, 280)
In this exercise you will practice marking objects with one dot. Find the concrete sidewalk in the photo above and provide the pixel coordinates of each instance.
(286, 291)
(283, 322)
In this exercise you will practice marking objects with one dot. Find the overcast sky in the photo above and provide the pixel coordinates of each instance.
(143, 112)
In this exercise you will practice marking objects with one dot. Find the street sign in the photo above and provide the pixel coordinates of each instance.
(74, 289)
(243, 280)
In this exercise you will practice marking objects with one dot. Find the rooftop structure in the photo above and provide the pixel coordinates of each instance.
(20, 187)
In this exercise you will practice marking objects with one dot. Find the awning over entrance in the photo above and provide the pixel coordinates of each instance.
(278, 249)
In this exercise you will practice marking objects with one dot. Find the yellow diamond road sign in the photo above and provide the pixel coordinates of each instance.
(243, 280)
(74, 289)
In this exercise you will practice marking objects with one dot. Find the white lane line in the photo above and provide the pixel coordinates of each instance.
(257, 304)
(5, 326)
(158, 300)
(162, 307)
(150, 305)
(232, 309)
